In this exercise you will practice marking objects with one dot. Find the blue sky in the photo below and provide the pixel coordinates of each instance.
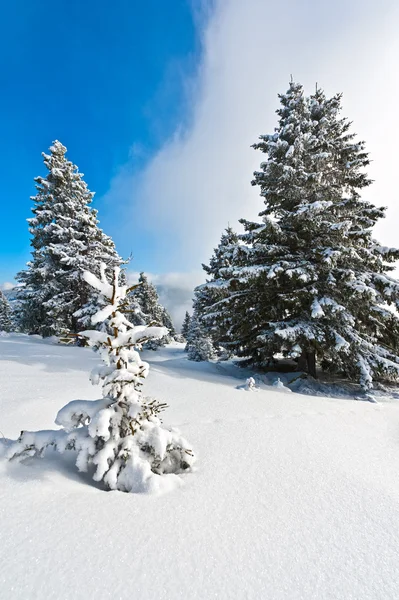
(106, 78)
(159, 109)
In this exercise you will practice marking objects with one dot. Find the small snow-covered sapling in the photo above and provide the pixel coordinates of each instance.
(121, 435)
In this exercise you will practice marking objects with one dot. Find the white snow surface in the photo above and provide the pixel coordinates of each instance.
(294, 496)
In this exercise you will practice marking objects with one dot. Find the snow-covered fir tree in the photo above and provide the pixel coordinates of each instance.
(6, 320)
(120, 435)
(168, 323)
(314, 283)
(186, 325)
(152, 311)
(66, 240)
(213, 297)
(199, 345)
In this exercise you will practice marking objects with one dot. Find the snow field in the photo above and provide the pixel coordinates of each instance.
(294, 497)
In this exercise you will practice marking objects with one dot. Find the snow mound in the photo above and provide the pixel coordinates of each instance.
(279, 385)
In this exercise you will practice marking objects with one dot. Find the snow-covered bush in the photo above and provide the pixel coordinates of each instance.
(199, 346)
(200, 349)
(121, 435)
(250, 384)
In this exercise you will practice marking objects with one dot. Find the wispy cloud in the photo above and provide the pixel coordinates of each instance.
(175, 291)
(199, 180)
(7, 285)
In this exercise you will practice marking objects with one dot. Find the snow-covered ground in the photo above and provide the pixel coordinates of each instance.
(294, 496)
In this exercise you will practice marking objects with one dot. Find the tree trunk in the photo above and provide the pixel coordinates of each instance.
(311, 359)
(307, 363)
(302, 362)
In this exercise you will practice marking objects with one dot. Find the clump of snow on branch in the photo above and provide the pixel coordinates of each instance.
(121, 435)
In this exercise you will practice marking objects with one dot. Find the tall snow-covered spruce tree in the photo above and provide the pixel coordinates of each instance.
(121, 435)
(66, 240)
(314, 283)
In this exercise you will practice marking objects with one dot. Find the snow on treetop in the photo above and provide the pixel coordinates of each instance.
(57, 147)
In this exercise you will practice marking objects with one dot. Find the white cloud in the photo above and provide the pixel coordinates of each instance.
(175, 291)
(7, 285)
(199, 180)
